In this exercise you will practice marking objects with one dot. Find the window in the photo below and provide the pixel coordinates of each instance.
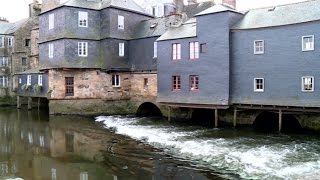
(120, 22)
(176, 51)
(258, 85)
(176, 83)
(83, 49)
(24, 61)
(10, 41)
(51, 21)
(307, 84)
(20, 80)
(307, 43)
(258, 47)
(1, 41)
(69, 142)
(194, 50)
(29, 80)
(27, 42)
(121, 49)
(155, 49)
(203, 47)
(145, 83)
(51, 50)
(83, 176)
(69, 86)
(4, 81)
(4, 62)
(83, 19)
(40, 80)
(194, 82)
(116, 80)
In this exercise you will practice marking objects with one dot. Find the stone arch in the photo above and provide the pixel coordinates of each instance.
(148, 109)
(269, 121)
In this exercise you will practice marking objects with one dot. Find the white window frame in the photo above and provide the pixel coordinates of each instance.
(10, 41)
(256, 47)
(40, 77)
(121, 49)
(303, 79)
(20, 80)
(255, 85)
(84, 176)
(120, 22)
(1, 41)
(116, 80)
(155, 49)
(176, 51)
(51, 49)
(194, 50)
(83, 49)
(4, 81)
(4, 61)
(83, 19)
(307, 46)
(29, 80)
(51, 21)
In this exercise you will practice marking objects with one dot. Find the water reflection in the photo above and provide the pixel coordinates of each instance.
(36, 146)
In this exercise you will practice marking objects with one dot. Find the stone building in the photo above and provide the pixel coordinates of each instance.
(95, 57)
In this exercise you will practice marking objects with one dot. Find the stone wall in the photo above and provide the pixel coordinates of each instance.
(34, 54)
(141, 91)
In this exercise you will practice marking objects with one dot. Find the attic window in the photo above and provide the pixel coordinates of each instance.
(272, 9)
(153, 25)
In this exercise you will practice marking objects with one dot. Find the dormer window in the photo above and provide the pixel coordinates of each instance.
(83, 19)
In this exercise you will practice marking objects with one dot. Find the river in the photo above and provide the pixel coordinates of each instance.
(36, 146)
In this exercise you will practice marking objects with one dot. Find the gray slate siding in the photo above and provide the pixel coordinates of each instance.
(34, 81)
(58, 31)
(141, 54)
(282, 65)
(110, 54)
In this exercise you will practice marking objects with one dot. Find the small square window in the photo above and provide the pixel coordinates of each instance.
(203, 47)
(258, 47)
(258, 84)
(307, 84)
(308, 43)
(120, 22)
(23, 61)
(176, 83)
(83, 19)
(145, 83)
(194, 83)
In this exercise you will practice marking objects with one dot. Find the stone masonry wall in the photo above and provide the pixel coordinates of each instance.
(141, 91)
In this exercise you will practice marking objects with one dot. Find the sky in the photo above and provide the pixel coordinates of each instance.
(15, 10)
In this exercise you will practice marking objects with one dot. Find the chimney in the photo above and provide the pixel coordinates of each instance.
(3, 19)
(49, 4)
(229, 3)
(192, 2)
(179, 6)
(34, 8)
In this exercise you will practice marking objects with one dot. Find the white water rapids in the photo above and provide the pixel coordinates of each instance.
(245, 156)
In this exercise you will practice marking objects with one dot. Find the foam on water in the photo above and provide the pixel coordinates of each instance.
(225, 155)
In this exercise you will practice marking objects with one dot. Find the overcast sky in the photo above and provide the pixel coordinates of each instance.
(15, 10)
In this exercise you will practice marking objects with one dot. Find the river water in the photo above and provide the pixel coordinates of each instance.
(35, 146)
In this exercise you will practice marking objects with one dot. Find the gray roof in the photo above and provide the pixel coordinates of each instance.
(32, 71)
(186, 30)
(98, 5)
(151, 28)
(280, 15)
(216, 9)
(9, 28)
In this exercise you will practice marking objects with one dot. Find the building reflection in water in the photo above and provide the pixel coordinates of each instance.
(36, 146)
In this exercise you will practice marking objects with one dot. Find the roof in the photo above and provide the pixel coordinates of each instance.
(280, 15)
(101, 4)
(193, 9)
(216, 9)
(9, 28)
(151, 28)
(186, 30)
(31, 71)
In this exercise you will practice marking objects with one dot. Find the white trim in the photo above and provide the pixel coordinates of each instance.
(29, 80)
(40, 77)
(255, 85)
(51, 49)
(312, 83)
(83, 49)
(311, 48)
(255, 47)
(117, 80)
(120, 22)
(51, 21)
(82, 19)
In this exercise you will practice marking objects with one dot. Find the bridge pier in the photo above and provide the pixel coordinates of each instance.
(280, 120)
(169, 113)
(29, 103)
(216, 117)
(235, 117)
